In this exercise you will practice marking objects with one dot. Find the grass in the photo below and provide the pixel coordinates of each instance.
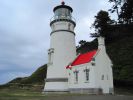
(124, 91)
(7, 92)
(15, 94)
(21, 94)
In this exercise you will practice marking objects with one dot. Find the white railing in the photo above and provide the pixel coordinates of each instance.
(63, 17)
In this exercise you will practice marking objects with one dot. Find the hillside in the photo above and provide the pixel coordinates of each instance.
(37, 77)
(34, 82)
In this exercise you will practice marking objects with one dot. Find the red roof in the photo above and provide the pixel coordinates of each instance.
(83, 58)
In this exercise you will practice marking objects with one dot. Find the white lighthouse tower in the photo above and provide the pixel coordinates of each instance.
(62, 49)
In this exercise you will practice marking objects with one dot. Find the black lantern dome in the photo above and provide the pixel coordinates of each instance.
(63, 6)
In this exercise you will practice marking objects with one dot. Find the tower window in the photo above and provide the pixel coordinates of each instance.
(86, 71)
(76, 76)
(69, 25)
(50, 54)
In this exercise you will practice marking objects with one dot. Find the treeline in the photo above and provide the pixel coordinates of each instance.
(118, 39)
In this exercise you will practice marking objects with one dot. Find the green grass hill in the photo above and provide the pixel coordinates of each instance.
(34, 82)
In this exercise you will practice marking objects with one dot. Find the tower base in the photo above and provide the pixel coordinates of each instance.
(56, 87)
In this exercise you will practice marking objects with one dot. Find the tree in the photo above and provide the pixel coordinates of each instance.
(126, 14)
(116, 6)
(82, 42)
(101, 23)
(124, 9)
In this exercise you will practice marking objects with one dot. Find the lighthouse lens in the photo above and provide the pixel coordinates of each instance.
(63, 13)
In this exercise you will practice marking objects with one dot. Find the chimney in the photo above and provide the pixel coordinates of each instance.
(101, 43)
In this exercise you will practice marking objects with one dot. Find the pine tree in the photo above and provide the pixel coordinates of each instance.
(126, 14)
(116, 6)
(101, 23)
(124, 9)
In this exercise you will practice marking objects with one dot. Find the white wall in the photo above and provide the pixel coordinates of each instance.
(63, 43)
(103, 68)
(82, 83)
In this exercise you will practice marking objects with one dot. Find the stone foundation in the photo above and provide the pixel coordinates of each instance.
(86, 90)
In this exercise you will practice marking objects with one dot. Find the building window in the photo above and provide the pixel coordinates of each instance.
(69, 79)
(93, 59)
(102, 78)
(107, 77)
(93, 64)
(76, 76)
(86, 71)
(69, 74)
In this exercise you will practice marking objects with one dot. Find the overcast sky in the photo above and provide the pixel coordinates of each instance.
(25, 32)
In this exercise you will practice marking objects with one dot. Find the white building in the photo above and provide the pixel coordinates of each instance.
(91, 72)
(86, 73)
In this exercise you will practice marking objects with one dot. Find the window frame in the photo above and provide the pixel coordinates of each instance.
(102, 77)
(87, 74)
(50, 55)
(76, 78)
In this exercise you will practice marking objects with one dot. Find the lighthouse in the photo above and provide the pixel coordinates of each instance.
(62, 49)
(89, 73)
